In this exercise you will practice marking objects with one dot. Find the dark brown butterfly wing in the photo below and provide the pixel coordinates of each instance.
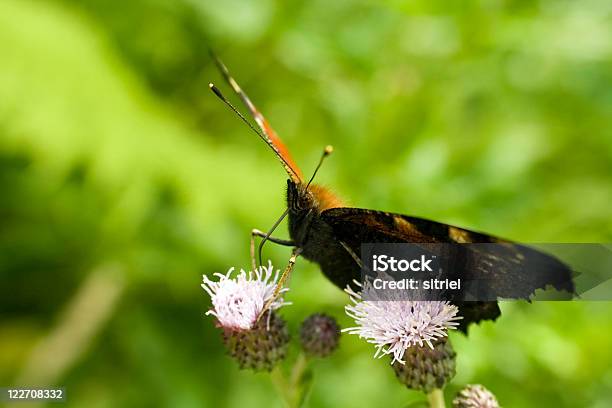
(354, 226)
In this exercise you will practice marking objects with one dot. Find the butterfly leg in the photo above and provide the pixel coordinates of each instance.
(352, 254)
(281, 282)
(261, 234)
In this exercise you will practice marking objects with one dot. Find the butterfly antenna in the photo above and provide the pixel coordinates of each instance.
(220, 95)
(271, 138)
(326, 152)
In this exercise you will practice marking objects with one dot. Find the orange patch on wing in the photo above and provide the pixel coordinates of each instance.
(459, 236)
(408, 229)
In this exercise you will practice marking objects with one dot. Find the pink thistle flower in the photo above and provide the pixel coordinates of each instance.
(394, 325)
(475, 396)
(238, 302)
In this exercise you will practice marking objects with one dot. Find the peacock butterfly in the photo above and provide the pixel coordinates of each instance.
(325, 231)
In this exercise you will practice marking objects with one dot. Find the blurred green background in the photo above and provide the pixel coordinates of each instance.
(123, 180)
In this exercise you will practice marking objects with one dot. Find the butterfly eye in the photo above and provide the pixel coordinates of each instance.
(292, 196)
(299, 202)
(298, 198)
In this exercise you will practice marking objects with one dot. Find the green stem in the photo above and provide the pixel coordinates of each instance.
(298, 369)
(278, 379)
(296, 387)
(436, 398)
(292, 390)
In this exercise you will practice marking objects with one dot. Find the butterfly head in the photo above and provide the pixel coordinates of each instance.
(313, 198)
(305, 202)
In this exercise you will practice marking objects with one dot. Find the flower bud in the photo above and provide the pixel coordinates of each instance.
(319, 335)
(261, 347)
(427, 368)
(475, 396)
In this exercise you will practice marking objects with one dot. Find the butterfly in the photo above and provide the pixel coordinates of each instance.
(325, 231)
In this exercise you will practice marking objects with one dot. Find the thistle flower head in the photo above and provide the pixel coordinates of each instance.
(261, 347)
(237, 302)
(319, 335)
(427, 368)
(394, 325)
(475, 396)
